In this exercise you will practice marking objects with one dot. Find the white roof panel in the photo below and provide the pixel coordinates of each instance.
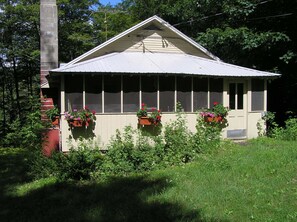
(161, 63)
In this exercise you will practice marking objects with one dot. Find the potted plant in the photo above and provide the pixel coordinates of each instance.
(217, 115)
(54, 115)
(146, 118)
(79, 118)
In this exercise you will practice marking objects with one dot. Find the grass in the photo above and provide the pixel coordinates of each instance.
(256, 181)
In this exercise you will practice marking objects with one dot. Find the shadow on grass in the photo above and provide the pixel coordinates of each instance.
(124, 199)
(12, 167)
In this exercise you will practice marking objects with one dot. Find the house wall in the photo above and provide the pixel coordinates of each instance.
(106, 126)
(106, 123)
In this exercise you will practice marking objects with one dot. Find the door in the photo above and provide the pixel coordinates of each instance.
(237, 95)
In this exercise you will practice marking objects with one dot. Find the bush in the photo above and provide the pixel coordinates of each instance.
(178, 142)
(289, 132)
(131, 151)
(78, 164)
(207, 137)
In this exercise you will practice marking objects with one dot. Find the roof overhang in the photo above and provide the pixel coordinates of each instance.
(160, 63)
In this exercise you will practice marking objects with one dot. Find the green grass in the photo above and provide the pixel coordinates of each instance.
(256, 181)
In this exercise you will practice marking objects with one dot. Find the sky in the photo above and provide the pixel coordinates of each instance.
(112, 2)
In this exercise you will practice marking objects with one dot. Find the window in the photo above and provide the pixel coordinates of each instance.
(257, 95)
(216, 91)
(200, 88)
(184, 91)
(236, 96)
(167, 89)
(93, 88)
(131, 93)
(73, 92)
(121, 93)
(112, 94)
(149, 87)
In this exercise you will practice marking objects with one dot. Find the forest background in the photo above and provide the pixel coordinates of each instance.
(259, 34)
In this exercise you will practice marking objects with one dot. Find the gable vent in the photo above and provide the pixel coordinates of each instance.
(152, 27)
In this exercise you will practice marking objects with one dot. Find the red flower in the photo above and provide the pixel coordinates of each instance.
(215, 103)
(94, 112)
(142, 104)
(86, 107)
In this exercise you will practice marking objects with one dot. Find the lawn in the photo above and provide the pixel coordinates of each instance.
(254, 181)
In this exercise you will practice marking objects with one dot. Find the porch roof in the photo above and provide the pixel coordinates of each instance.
(160, 63)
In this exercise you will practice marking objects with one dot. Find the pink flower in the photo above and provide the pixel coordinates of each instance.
(215, 103)
(142, 104)
(94, 112)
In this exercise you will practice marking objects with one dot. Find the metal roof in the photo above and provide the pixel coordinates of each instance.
(160, 63)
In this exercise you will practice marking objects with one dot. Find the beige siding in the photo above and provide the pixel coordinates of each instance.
(106, 126)
(157, 41)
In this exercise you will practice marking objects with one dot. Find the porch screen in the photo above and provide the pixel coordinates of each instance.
(93, 90)
(73, 92)
(149, 87)
(112, 94)
(167, 89)
(200, 88)
(216, 91)
(257, 94)
(131, 93)
(184, 89)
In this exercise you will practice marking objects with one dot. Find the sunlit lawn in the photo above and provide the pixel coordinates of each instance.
(256, 181)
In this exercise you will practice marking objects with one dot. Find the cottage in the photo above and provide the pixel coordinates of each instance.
(155, 64)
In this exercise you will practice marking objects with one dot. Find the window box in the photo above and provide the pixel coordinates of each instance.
(145, 121)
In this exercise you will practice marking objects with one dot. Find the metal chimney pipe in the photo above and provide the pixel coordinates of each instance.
(48, 39)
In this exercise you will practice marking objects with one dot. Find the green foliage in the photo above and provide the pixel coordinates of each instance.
(78, 164)
(178, 142)
(52, 113)
(288, 133)
(129, 152)
(25, 132)
(207, 137)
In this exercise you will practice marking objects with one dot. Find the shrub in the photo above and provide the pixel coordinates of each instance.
(178, 142)
(207, 137)
(80, 162)
(289, 132)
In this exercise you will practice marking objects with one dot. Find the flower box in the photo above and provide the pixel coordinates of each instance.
(215, 119)
(76, 123)
(79, 118)
(56, 121)
(145, 121)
